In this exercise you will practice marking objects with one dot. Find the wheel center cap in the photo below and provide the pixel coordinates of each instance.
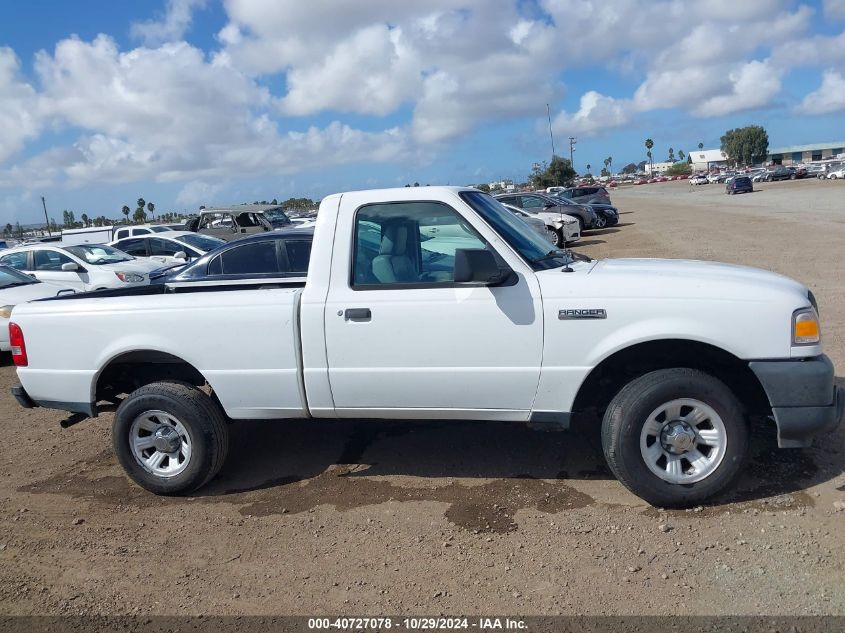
(677, 437)
(166, 439)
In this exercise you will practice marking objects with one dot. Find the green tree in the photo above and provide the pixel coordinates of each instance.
(745, 144)
(8, 230)
(141, 203)
(84, 217)
(151, 208)
(589, 167)
(139, 216)
(681, 154)
(483, 187)
(630, 168)
(648, 145)
(125, 211)
(610, 165)
(701, 146)
(298, 204)
(671, 155)
(555, 174)
(679, 169)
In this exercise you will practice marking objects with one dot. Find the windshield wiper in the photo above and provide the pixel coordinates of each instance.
(550, 255)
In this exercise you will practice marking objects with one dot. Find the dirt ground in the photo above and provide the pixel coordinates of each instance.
(402, 518)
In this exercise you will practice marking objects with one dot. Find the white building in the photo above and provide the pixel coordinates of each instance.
(706, 159)
(658, 168)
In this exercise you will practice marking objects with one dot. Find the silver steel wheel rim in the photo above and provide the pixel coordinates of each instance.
(160, 443)
(553, 236)
(601, 222)
(683, 441)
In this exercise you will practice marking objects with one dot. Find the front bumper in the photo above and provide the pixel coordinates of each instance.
(804, 399)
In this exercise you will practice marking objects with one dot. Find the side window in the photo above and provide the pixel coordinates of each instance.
(141, 231)
(509, 200)
(250, 259)
(136, 247)
(15, 260)
(216, 221)
(122, 233)
(299, 253)
(409, 243)
(49, 260)
(159, 246)
(532, 202)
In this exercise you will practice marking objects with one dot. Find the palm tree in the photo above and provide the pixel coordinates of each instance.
(648, 145)
(671, 155)
(681, 154)
(701, 146)
(151, 208)
(84, 217)
(588, 167)
(651, 164)
(125, 211)
(609, 163)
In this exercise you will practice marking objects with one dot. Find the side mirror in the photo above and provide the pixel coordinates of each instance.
(70, 267)
(549, 205)
(181, 255)
(476, 265)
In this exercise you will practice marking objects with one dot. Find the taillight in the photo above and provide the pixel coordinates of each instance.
(18, 345)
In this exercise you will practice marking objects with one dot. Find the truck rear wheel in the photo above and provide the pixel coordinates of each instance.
(170, 437)
(675, 437)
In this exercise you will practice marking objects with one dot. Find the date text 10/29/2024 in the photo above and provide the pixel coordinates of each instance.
(417, 624)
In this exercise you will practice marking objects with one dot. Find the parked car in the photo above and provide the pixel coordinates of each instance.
(82, 267)
(837, 174)
(606, 214)
(760, 176)
(699, 179)
(172, 247)
(541, 203)
(17, 288)
(121, 232)
(780, 173)
(273, 255)
(586, 195)
(483, 325)
(239, 221)
(559, 230)
(739, 184)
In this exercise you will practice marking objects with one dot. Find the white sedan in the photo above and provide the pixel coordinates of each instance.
(838, 174)
(15, 288)
(82, 267)
(171, 247)
(699, 180)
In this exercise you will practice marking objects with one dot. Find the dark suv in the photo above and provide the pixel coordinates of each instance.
(586, 195)
(781, 173)
(739, 184)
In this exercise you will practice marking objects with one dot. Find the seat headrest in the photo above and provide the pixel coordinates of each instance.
(394, 239)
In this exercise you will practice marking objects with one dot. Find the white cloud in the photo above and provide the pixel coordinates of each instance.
(198, 192)
(596, 114)
(19, 116)
(172, 26)
(829, 97)
(753, 85)
(834, 9)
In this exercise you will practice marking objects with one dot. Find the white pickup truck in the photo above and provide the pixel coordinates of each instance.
(437, 303)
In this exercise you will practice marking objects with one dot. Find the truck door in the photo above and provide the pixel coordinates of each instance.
(402, 336)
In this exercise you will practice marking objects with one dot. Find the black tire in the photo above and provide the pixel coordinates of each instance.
(557, 236)
(198, 413)
(627, 414)
(600, 223)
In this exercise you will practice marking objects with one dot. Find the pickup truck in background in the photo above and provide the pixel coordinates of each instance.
(438, 303)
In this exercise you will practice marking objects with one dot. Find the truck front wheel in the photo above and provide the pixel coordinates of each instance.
(675, 437)
(170, 437)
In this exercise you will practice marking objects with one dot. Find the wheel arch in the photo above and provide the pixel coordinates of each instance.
(128, 370)
(617, 369)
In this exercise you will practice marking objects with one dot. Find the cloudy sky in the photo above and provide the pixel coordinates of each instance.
(189, 102)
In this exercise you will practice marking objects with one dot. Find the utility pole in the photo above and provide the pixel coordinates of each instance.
(572, 142)
(46, 219)
(552, 136)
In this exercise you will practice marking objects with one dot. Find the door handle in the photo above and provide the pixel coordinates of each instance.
(357, 314)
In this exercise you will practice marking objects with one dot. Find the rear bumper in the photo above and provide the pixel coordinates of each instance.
(23, 398)
(804, 400)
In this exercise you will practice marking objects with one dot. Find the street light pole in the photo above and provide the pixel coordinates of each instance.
(46, 219)
(572, 142)
(551, 135)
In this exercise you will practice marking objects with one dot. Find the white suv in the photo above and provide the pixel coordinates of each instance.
(82, 267)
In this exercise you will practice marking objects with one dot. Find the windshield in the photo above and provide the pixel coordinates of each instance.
(160, 229)
(277, 217)
(533, 247)
(201, 242)
(10, 277)
(98, 254)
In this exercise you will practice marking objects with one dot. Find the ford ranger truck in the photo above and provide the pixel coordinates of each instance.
(438, 303)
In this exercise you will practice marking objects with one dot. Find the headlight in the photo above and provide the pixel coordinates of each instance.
(6, 312)
(130, 278)
(805, 327)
